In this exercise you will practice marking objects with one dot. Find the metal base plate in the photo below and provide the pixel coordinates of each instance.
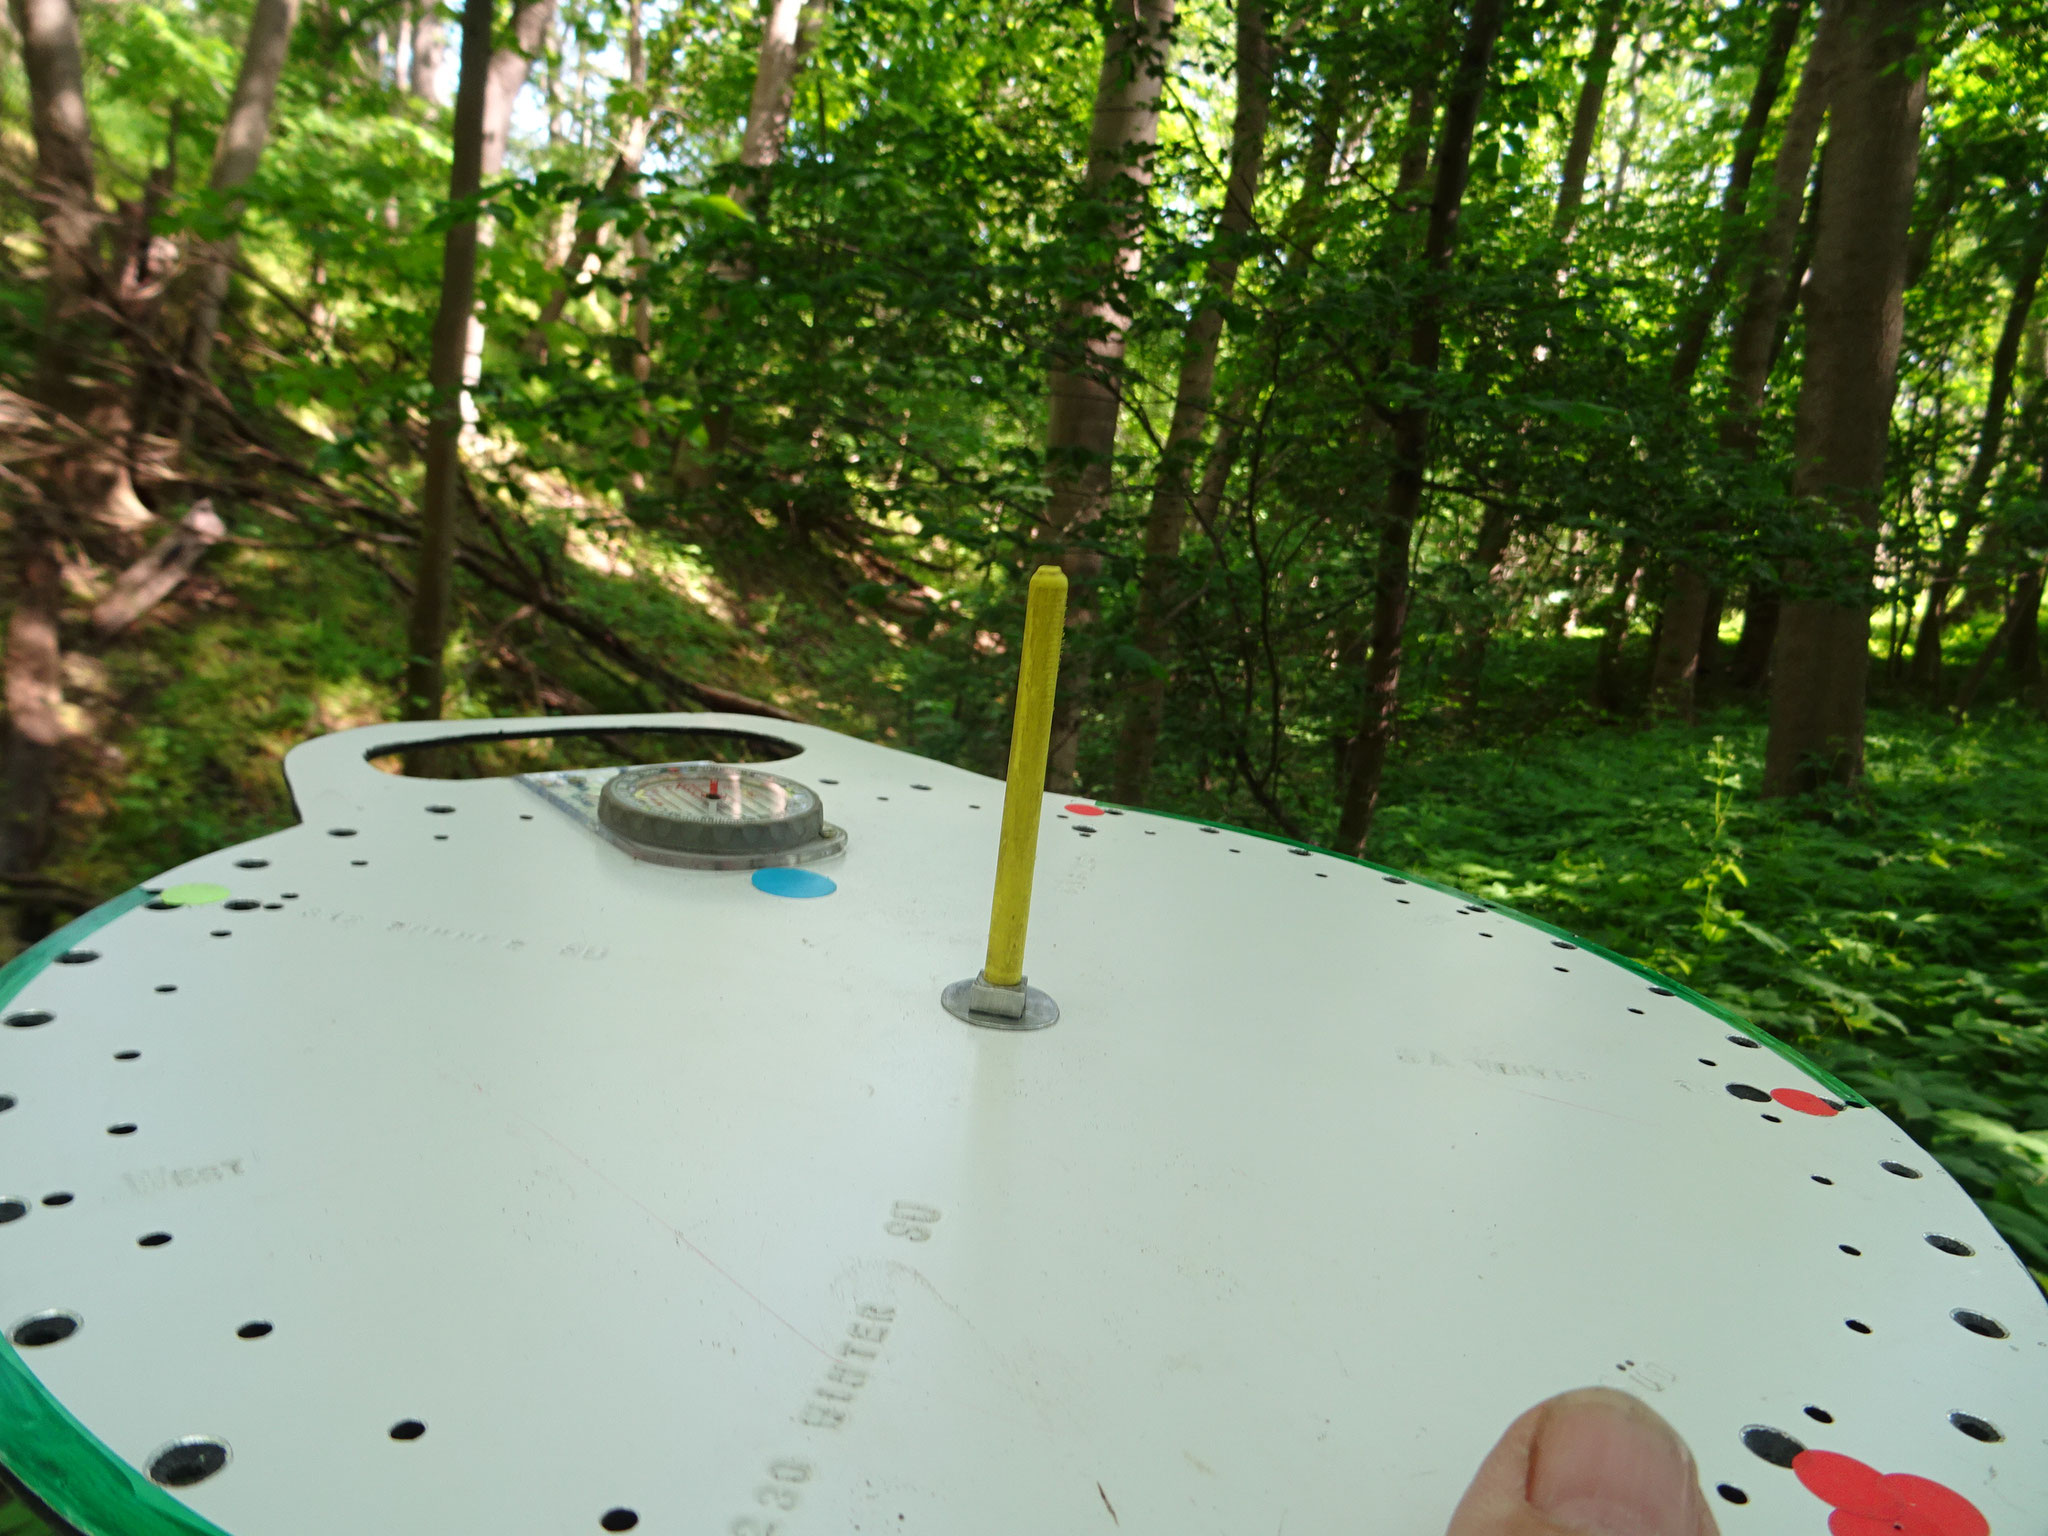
(1039, 1009)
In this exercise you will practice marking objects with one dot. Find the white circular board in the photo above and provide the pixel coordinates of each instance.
(578, 1193)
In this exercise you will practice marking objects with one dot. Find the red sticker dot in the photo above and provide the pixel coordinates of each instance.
(1842, 1481)
(1082, 810)
(1868, 1503)
(1806, 1103)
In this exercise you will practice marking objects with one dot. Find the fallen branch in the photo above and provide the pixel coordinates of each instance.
(160, 572)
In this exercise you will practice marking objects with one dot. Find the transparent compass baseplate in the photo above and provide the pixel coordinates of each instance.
(578, 793)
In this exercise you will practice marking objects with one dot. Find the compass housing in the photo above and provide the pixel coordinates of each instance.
(711, 808)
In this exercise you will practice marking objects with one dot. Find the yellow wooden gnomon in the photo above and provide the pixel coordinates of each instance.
(997, 997)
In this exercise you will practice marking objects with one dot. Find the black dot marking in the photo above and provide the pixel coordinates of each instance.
(442, 810)
(223, 933)
(287, 895)
(1773, 1445)
(1976, 1428)
(167, 987)
(1706, 1063)
(30, 1020)
(1320, 874)
(252, 1330)
(440, 837)
(1299, 853)
(78, 957)
(1564, 968)
(341, 831)
(185, 1462)
(1746, 1091)
(1637, 1011)
(159, 905)
(524, 817)
(243, 904)
(1745, 1042)
(828, 781)
(619, 1520)
(1950, 1245)
(45, 1328)
(12, 1210)
(59, 1197)
(1900, 1169)
(1210, 830)
(1854, 1253)
(252, 863)
(125, 1128)
(1819, 1415)
(1237, 850)
(1821, 1178)
(408, 1429)
(1663, 991)
(1148, 831)
(1393, 879)
(1732, 1494)
(974, 807)
(1560, 944)
(126, 1055)
(1485, 935)
(1978, 1323)
(884, 797)
(7, 1102)
(273, 906)
(359, 863)
(1773, 1119)
(920, 786)
(152, 1239)
(1108, 812)
(1856, 1325)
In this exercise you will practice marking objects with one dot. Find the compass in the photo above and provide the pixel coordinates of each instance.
(711, 808)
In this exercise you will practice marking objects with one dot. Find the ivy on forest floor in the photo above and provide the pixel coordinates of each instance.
(1894, 934)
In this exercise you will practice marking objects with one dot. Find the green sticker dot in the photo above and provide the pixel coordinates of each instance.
(197, 894)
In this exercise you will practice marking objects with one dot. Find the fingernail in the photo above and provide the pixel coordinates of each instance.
(1607, 1465)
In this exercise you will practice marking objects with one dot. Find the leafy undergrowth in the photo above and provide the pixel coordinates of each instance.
(1895, 935)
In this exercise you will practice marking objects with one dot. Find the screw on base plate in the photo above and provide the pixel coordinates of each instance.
(979, 1001)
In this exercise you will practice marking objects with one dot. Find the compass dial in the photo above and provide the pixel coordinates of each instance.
(711, 808)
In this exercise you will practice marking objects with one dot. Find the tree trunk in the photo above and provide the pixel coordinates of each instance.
(1085, 381)
(86, 477)
(1855, 309)
(1301, 230)
(532, 21)
(427, 634)
(1411, 433)
(429, 47)
(1607, 692)
(1926, 668)
(1692, 337)
(1586, 119)
(1751, 345)
(788, 32)
(1166, 519)
(625, 170)
(1674, 664)
(1497, 523)
(235, 157)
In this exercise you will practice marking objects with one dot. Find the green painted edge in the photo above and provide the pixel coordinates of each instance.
(29, 964)
(63, 1466)
(1827, 1079)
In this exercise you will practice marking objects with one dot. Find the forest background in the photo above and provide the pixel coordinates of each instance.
(1592, 454)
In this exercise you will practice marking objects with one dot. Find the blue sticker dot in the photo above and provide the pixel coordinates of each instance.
(783, 881)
